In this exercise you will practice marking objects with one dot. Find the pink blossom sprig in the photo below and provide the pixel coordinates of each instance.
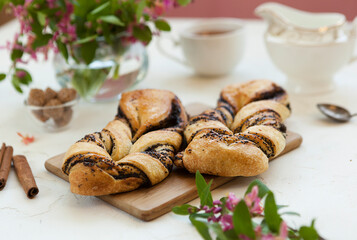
(255, 216)
(72, 27)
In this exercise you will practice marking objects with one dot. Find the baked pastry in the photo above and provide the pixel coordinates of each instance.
(136, 149)
(241, 134)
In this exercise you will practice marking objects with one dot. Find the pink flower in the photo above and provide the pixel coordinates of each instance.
(217, 210)
(213, 219)
(26, 139)
(169, 4)
(244, 237)
(268, 236)
(257, 208)
(227, 222)
(51, 3)
(20, 74)
(217, 202)
(232, 201)
(253, 201)
(258, 231)
(28, 2)
(207, 209)
(283, 232)
(251, 197)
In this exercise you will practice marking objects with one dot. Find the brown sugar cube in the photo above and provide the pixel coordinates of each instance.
(53, 109)
(39, 115)
(36, 97)
(66, 117)
(66, 95)
(50, 94)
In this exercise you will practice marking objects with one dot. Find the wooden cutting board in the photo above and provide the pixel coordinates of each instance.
(177, 189)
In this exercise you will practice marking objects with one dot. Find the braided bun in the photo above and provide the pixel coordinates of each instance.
(136, 149)
(240, 136)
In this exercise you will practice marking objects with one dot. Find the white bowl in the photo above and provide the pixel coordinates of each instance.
(68, 110)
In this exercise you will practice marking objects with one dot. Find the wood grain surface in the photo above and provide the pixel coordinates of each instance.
(177, 189)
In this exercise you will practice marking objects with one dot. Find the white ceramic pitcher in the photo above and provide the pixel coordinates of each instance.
(308, 47)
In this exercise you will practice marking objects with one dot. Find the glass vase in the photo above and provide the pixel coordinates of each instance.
(116, 67)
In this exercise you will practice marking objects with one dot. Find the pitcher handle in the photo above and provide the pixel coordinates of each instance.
(354, 26)
(163, 51)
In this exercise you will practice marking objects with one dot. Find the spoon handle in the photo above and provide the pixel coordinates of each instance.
(355, 114)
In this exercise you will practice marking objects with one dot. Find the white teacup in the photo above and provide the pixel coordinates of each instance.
(212, 47)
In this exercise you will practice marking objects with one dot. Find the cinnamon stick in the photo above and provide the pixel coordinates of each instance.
(5, 166)
(24, 174)
(2, 151)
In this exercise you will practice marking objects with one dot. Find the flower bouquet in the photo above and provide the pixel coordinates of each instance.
(90, 37)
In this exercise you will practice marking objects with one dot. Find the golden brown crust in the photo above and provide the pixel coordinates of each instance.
(120, 135)
(271, 136)
(152, 167)
(192, 129)
(149, 108)
(257, 107)
(93, 181)
(258, 126)
(107, 162)
(223, 157)
(240, 94)
(160, 137)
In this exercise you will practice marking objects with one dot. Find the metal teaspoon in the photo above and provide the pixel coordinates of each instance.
(335, 113)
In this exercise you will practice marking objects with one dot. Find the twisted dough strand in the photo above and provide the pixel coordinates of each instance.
(241, 134)
(112, 161)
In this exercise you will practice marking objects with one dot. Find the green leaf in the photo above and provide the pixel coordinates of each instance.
(27, 79)
(139, 10)
(217, 229)
(184, 209)
(116, 71)
(41, 41)
(142, 33)
(88, 50)
(162, 25)
(223, 205)
(263, 189)
(281, 206)
(309, 233)
(63, 49)
(100, 8)
(231, 234)
(203, 190)
(146, 17)
(242, 220)
(112, 19)
(201, 227)
(183, 2)
(88, 81)
(2, 3)
(290, 213)
(35, 24)
(16, 83)
(62, 4)
(2, 76)
(16, 54)
(272, 217)
(41, 17)
(86, 39)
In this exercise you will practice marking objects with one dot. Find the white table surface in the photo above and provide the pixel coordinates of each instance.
(318, 180)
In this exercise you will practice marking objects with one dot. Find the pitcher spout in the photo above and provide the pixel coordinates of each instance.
(276, 13)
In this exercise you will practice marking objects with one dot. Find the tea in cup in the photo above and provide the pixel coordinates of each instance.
(212, 47)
